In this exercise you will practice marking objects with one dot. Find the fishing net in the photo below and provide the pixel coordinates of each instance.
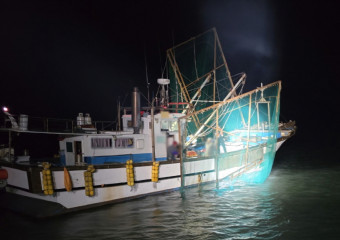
(238, 139)
(199, 74)
(224, 134)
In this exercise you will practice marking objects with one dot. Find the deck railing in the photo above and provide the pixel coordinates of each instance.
(53, 124)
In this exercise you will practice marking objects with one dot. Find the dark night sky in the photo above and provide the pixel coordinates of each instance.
(58, 58)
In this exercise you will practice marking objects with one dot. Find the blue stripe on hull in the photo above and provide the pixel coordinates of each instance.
(143, 157)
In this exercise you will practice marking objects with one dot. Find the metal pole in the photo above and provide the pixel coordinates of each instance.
(216, 169)
(152, 133)
(181, 152)
(269, 115)
(249, 116)
(217, 148)
(214, 89)
(258, 115)
(118, 115)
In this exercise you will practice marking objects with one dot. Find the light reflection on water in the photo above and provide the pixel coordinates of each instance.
(298, 201)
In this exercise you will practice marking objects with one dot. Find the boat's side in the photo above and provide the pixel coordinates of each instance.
(109, 184)
(110, 181)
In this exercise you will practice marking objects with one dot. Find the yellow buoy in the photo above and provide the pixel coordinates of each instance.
(47, 179)
(129, 173)
(154, 172)
(89, 181)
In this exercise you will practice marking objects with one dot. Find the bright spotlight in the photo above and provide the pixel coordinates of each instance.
(5, 109)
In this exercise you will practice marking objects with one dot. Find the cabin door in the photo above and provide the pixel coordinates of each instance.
(170, 141)
(78, 152)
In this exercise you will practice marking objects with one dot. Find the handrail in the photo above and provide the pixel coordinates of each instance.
(44, 124)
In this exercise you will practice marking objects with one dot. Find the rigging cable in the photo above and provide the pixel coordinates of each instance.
(195, 58)
(146, 74)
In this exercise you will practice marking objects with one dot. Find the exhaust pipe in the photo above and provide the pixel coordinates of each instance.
(135, 101)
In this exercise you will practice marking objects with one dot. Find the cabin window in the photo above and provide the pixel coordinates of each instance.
(173, 126)
(124, 143)
(101, 142)
(167, 125)
(164, 125)
(69, 147)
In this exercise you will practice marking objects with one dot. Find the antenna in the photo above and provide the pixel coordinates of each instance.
(118, 109)
(160, 57)
(146, 75)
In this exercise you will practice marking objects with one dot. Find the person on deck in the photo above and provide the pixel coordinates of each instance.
(173, 151)
(220, 141)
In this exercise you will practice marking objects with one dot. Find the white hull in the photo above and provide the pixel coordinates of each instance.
(111, 184)
(77, 198)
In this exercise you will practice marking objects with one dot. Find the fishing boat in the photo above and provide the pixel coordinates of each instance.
(199, 128)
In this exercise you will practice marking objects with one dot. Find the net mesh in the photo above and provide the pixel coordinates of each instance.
(224, 134)
(199, 74)
(240, 137)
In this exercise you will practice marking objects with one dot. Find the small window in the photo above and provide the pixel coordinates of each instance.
(124, 143)
(69, 147)
(101, 142)
(164, 125)
(173, 126)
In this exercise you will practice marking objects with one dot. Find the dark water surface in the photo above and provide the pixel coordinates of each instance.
(300, 200)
